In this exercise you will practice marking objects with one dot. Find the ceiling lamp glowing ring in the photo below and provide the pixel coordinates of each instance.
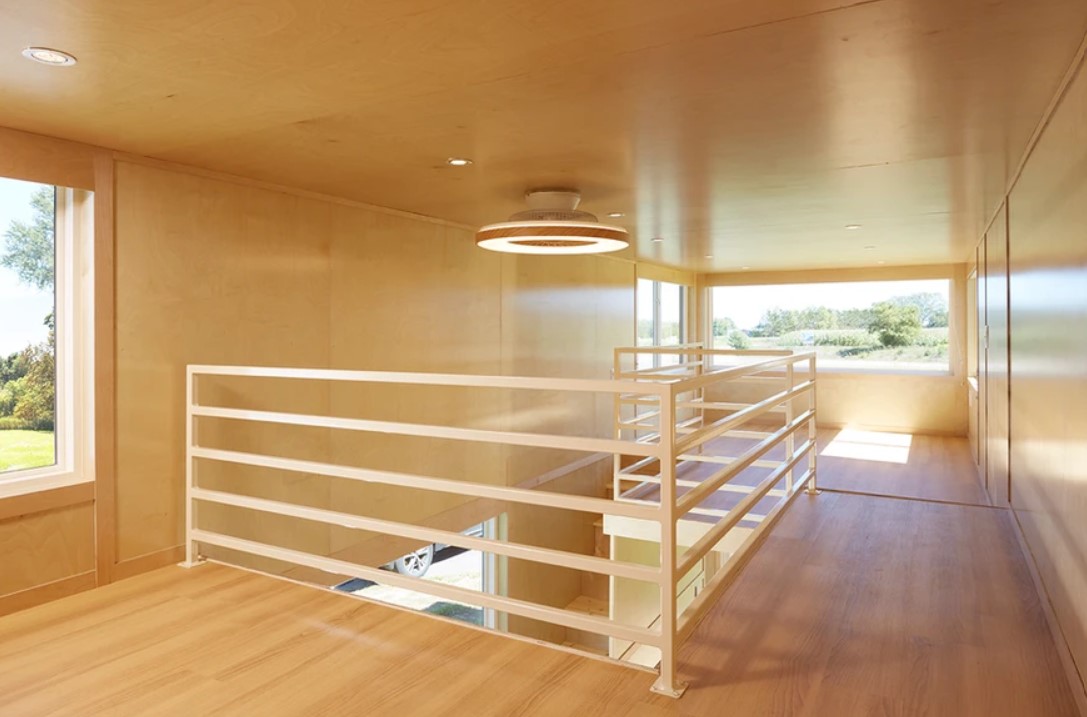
(552, 238)
(552, 225)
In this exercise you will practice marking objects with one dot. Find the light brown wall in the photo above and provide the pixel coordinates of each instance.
(216, 271)
(909, 403)
(230, 271)
(47, 539)
(1048, 422)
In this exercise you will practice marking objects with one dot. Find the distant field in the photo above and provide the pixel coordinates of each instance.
(20, 450)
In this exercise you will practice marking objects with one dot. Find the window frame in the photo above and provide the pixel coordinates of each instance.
(657, 317)
(74, 358)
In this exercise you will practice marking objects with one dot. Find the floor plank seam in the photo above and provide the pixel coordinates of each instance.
(938, 501)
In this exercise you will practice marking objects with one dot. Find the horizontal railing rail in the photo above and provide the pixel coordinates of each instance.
(675, 427)
(703, 425)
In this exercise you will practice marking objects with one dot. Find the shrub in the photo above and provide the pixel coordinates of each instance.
(11, 423)
(739, 340)
(851, 338)
(895, 325)
(932, 337)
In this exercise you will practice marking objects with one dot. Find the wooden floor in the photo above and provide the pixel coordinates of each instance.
(860, 605)
(935, 468)
(856, 605)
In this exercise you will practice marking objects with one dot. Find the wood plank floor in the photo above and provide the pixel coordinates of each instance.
(937, 468)
(860, 605)
(856, 605)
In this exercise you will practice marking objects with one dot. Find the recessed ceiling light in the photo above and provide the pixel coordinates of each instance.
(881, 262)
(616, 215)
(47, 56)
(657, 240)
(870, 247)
(852, 227)
(709, 256)
(458, 162)
(744, 268)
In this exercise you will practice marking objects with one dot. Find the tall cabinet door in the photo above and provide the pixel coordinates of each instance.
(997, 363)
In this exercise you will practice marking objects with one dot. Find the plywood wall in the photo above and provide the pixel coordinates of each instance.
(214, 271)
(1048, 409)
(47, 538)
(996, 359)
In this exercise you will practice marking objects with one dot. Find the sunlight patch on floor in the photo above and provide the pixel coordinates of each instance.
(870, 446)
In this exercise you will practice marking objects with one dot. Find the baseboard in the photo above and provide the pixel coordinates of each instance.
(1075, 678)
(838, 425)
(146, 563)
(41, 594)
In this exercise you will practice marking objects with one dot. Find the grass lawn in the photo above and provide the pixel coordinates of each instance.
(26, 449)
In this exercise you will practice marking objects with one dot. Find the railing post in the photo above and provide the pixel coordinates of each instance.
(790, 445)
(667, 683)
(191, 558)
(813, 489)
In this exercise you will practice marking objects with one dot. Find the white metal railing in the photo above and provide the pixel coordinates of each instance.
(682, 424)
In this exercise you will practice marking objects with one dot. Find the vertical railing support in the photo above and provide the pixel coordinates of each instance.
(813, 489)
(667, 684)
(191, 557)
(790, 445)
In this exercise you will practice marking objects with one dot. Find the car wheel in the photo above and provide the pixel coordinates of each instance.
(415, 564)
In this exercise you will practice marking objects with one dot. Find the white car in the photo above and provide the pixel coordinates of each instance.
(416, 564)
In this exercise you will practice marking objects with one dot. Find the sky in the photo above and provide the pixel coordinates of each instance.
(746, 304)
(22, 308)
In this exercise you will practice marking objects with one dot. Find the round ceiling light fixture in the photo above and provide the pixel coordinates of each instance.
(49, 56)
(552, 225)
(458, 161)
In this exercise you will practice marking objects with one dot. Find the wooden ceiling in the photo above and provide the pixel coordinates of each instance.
(749, 131)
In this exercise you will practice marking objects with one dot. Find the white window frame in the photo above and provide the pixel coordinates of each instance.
(658, 318)
(74, 321)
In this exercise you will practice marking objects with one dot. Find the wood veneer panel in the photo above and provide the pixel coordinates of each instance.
(1048, 260)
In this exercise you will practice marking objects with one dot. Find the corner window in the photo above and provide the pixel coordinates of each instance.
(45, 303)
(661, 315)
(870, 325)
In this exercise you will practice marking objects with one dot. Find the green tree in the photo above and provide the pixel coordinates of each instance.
(817, 318)
(36, 392)
(28, 379)
(931, 307)
(723, 326)
(739, 340)
(895, 325)
(776, 322)
(854, 318)
(28, 248)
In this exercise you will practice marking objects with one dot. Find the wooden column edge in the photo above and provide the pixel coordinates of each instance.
(105, 513)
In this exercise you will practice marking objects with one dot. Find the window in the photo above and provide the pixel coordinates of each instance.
(44, 335)
(871, 325)
(661, 313)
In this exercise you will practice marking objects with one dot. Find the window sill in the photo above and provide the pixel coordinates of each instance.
(38, 480)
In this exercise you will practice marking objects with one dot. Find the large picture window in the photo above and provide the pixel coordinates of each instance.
(44, 332)
(871, 325)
